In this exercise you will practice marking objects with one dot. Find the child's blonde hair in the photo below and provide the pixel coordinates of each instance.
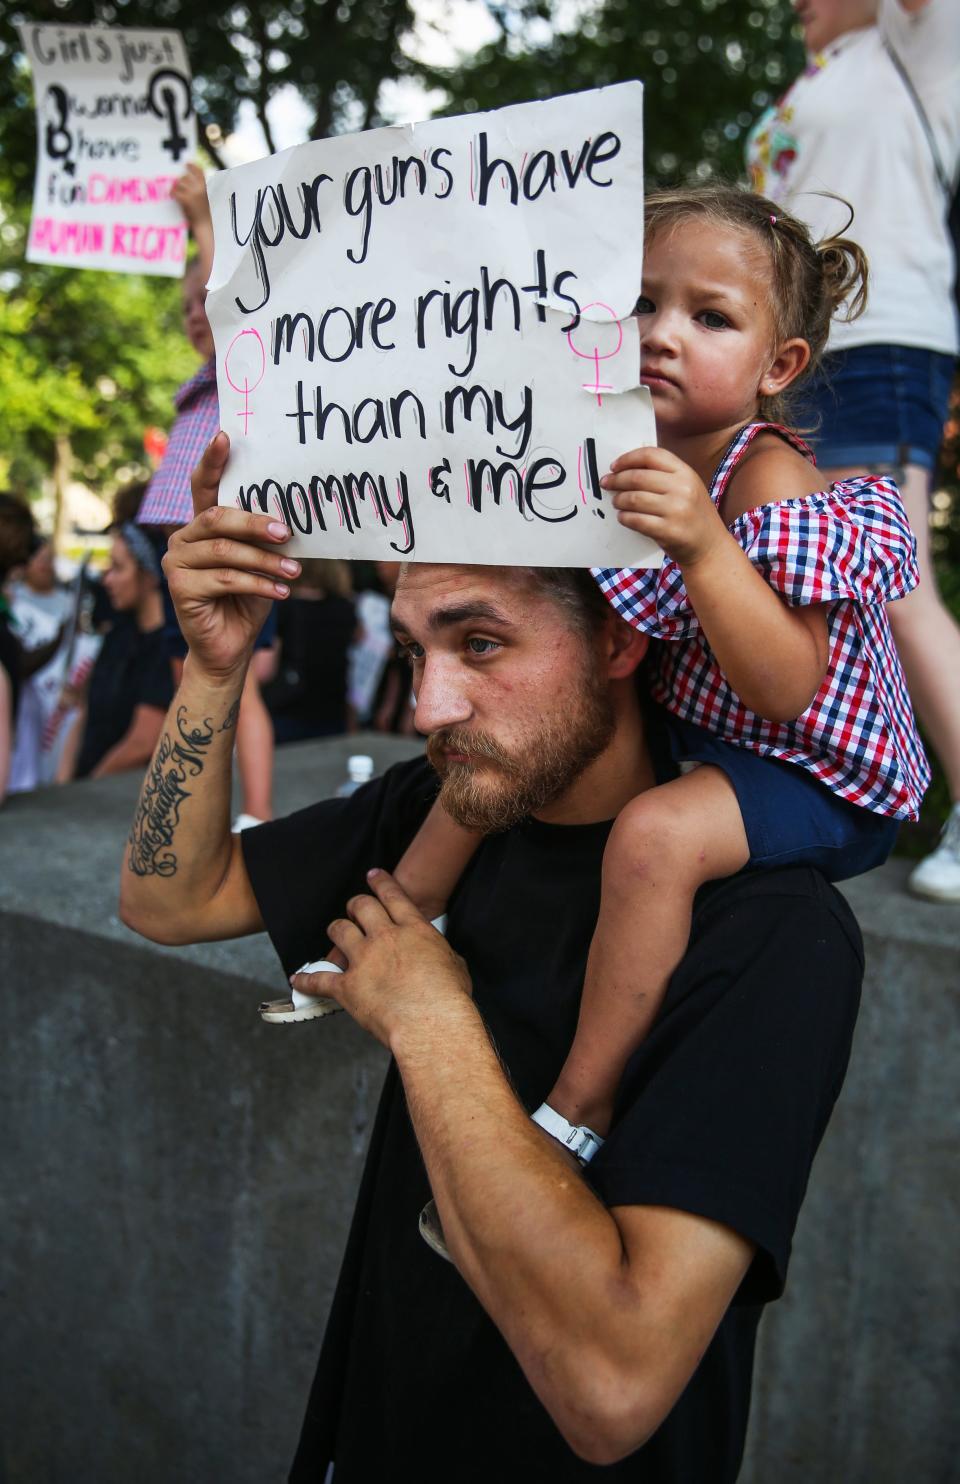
(810, 280)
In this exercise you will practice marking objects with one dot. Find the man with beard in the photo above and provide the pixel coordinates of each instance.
(607, 1319)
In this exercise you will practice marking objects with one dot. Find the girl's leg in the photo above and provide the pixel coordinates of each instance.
(434, 861)
(664, 845)
(430, 867)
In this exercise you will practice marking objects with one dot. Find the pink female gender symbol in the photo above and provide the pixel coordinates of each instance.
(244, 356)
(595, 355)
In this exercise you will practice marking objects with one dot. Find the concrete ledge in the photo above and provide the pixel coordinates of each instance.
(856, 1371)
(180, 1178)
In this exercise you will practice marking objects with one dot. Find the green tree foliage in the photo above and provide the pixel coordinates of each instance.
(709, 68)
(96, 357)
(93, 357)
(335, 53)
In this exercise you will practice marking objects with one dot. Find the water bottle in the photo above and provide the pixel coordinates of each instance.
(359, 771)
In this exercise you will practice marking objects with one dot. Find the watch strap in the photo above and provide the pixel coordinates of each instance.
(580, 1140)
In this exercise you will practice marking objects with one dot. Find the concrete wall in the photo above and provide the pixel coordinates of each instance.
(178, 1178)
(858, 1370)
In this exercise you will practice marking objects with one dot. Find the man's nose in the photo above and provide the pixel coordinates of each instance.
(441, 696)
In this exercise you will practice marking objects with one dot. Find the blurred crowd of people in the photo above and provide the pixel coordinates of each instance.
(88, 665)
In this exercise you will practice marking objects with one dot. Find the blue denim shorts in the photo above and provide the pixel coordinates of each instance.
(790, 817)
(878, 407)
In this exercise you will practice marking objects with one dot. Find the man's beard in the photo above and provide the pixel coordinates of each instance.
(508, 786)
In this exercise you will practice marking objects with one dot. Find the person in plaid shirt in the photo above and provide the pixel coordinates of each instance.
(785, 705)
(168, 501)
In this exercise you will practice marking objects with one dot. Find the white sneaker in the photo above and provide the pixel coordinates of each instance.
(244, 822)
(300, 1007)
(938, 877)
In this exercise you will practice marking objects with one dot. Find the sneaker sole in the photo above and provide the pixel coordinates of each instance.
(282, 1012)
(432, 1232)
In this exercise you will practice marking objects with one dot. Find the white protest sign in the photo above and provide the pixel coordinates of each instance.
(115, 128)
(425, 342)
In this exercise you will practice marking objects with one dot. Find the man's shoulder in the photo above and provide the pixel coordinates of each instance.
(785, 902)
(398, 797)
(773, 936)
(303, 868)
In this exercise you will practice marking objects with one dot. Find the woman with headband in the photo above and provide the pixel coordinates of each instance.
(131, 685)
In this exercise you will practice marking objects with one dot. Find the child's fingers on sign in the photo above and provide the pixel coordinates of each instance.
(648, 457)
(639, 479)
(639, 502)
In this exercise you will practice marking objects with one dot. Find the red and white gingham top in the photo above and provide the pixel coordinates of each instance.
(850, 546)
(168, 501)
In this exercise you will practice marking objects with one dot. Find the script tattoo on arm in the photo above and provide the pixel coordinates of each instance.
(230, 720)
(176, 761)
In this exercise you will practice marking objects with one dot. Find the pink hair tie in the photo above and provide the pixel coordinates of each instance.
(773, 221)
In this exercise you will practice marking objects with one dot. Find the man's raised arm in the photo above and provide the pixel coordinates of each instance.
(183, 877)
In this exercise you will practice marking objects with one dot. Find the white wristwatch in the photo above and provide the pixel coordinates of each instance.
(580, 1140)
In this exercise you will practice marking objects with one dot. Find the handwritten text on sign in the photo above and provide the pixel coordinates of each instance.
(425, 343)
(115, 128)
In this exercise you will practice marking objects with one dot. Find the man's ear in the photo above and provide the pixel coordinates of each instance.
(791, 358)
(625, 647)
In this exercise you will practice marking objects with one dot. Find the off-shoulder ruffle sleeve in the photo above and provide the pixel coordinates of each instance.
(652, 599)
(852, 541)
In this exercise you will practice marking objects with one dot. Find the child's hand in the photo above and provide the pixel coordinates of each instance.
(660, 496)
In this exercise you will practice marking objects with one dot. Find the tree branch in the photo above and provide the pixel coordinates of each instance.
(397, 11)
(263, 87)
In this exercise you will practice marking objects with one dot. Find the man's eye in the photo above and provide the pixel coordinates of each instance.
(412, 650)
(482, 646)
(713, 319)
(644, 305)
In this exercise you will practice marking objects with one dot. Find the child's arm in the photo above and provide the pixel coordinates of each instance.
(773, 656)
(434, 861)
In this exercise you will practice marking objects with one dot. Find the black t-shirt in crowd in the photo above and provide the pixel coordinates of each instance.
(131, 670)
(311, 684)
(720, 1113)
(10, 657)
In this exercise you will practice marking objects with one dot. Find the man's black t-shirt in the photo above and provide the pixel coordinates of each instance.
(131, 670)
(720, 1113)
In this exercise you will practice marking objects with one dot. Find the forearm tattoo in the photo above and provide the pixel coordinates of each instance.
(177, 760)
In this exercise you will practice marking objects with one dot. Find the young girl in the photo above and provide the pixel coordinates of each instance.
(787, 711)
